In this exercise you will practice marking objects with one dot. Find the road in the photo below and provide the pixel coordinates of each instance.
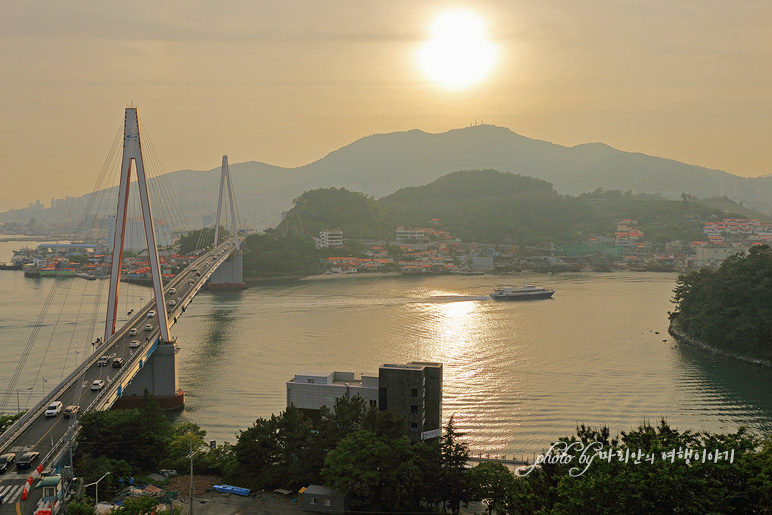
(44, 432)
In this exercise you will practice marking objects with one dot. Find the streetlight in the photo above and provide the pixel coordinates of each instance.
(18, 406)
(96, 499)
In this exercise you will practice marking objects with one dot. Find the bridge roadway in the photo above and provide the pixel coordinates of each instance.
(37, 433)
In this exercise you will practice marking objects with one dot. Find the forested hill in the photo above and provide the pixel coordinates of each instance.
(493, 206)
(729, 308)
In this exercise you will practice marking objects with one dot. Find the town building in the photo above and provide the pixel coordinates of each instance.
(329, 239)
(413, 390)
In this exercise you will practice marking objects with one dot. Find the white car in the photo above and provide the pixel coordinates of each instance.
(133, 331)
(172, 302)
(148, 327)
(97, 384)
(172, 291)
(150, 314)
(194, 268)
(54, 409)
(134, 344)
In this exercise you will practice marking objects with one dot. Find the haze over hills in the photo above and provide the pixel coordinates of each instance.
(382, 163)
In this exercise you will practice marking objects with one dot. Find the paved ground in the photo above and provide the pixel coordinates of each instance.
(216, 503)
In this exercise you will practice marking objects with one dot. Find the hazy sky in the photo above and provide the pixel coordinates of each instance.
(287, 82)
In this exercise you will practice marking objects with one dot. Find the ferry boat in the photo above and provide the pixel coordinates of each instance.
(527, 292)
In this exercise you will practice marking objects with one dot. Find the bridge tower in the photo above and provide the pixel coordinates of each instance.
(230, 274)
(159, 373)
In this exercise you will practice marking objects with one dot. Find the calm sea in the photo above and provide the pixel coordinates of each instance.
(516, 375)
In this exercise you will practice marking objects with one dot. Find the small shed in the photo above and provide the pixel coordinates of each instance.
(323, 499)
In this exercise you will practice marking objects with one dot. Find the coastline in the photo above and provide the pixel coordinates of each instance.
(682, 337)
(325, 277)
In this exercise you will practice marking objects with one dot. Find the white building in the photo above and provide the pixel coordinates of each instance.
(310, 391)
(330, 239)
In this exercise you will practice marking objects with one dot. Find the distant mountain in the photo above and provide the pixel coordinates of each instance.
(380, 164)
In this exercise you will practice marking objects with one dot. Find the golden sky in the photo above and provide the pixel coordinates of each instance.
(287, 82)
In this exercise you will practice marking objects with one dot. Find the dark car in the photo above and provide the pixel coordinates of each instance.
(117, 362)
(26, 460)
(6, 462)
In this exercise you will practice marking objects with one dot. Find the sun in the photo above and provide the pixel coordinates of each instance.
(458, 54)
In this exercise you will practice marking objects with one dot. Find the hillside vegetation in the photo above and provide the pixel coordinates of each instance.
(496, 207)
(729, 308)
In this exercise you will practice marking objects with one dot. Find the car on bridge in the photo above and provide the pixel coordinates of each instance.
(7, 461)
(54, 409)
(133, 331)
(71, 410)
(117, 362)
(150, 314)
(194, 268)
(134, 344)
(172, 291)
(103, 361)
(172, 302)
(148, 327)
(98, 384)
(26, 460)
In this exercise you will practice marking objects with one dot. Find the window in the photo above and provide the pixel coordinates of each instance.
(414, 392)
(310, 380)
(327, 502)
(413, 408)
(313, 501)
(414, 427)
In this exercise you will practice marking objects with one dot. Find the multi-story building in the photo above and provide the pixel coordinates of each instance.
(413, 390)
(330, 239)
(310, 391)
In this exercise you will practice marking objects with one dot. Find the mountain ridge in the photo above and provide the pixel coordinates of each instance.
(380, 164)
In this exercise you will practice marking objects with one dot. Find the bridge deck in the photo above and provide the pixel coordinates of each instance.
(46, 435)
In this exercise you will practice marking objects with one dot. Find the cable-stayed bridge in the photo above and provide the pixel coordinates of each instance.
(143, 346)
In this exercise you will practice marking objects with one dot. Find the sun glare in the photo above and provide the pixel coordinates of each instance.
(458, 54)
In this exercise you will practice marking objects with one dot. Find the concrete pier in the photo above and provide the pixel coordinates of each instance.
(159, 375)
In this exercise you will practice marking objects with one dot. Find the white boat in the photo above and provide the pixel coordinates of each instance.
(527, 292)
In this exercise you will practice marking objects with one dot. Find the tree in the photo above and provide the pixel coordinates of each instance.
(370, 466)
(82, 506)
(454, 457)
(201, 238)
(275, 452)
(138, 436)
(492, 483)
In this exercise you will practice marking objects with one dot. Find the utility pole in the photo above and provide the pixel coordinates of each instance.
(191, 476)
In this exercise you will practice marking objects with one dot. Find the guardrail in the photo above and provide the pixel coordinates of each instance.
(31, 416)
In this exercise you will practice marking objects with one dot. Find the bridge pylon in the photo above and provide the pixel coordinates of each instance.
(230, 275)
(159, 373)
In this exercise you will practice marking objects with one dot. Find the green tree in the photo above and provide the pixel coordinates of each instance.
(273, 452)
(7, 420)
(82, 506)
(454, 456)
(200, 238)
(370, 466)
(492, 483)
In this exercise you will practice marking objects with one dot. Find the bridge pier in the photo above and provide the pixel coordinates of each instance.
(159, 375)
(230, 274)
